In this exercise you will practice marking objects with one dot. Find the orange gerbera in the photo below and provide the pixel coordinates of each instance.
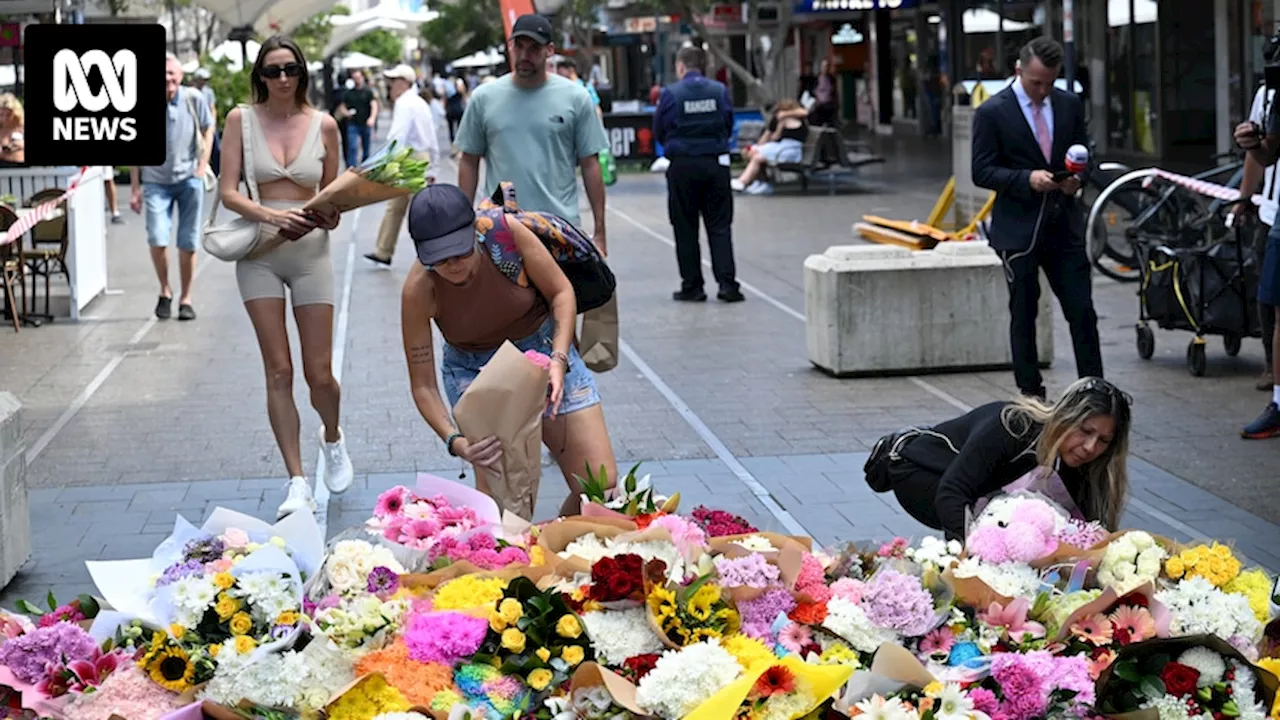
(418, 681)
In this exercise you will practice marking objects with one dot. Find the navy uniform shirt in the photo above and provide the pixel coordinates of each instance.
(694, 117)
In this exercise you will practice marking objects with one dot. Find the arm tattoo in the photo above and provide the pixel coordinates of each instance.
(420, 355)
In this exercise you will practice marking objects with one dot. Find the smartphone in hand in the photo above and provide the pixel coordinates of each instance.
(1061, 175)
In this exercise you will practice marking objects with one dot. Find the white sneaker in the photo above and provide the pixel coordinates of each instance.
(338, 473)
(737, 185)
(299, 498)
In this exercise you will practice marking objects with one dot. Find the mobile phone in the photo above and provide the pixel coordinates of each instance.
(1062, 175)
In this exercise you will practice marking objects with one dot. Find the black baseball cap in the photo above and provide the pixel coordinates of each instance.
(441, 223)
(534, 27)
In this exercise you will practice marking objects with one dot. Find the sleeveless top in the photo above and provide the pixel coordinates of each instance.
(306, 169)
(479, 314)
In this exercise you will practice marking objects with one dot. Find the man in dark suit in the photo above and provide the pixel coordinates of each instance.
(1020, 141)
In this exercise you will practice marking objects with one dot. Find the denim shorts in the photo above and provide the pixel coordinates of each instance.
(459, 369)
(160, 199)
(1269, 277)
(786, 150)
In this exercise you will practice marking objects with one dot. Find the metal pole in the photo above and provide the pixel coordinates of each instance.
(1069, 41)
(173, 21)
(999, 59)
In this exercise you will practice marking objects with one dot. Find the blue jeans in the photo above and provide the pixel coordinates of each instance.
(459, 368)
(1269, 276)
(159, 200)
(364, 135)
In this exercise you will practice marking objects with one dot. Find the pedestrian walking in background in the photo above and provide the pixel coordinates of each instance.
(455, 103)
(201, 84)
(693, 122)
(361, 107)
(412, 125)
(280, 119)
(1037, 222)
(534, 130)
(178, 185)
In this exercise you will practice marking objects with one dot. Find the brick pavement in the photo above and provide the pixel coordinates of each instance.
(180, 426)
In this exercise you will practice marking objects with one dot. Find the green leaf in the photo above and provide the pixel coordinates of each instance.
(88, 606)
(1151, 687)
(1127, 670)
(1155, 663)
(53, 602)
(523, 624)
(29, 609)
(540, 604)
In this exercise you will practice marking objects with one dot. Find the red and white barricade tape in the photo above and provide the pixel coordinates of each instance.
(41, 212)
(1203, 187)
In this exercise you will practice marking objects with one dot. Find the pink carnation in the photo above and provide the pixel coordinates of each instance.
(444, 637)
(849, 589)
(685, 534)
(539, 359)
(127, 693)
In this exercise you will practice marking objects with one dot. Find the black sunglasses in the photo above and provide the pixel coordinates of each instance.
(271, 72)
(1102, 387)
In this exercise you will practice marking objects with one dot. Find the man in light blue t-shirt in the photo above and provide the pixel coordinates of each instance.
(534, 130)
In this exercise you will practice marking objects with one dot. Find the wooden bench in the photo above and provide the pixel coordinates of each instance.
(821, 147)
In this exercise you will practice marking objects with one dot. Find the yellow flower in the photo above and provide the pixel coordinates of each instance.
(240, 624)
(513, 640)
(701, 613)
(1272, 665)
(510, 610)
(543, 654)
(1174, 567)
(933, 689)
(496, 623)
(172, 670)
(747, 650)
(660, 597)
(707, 595)
(288, 617)
(468, 592)
(572, 654)
(840, 654)
(214, 650)
(223, 580)
(177, 630)
(539, 679)
(227, 606)
(568, 627)
(245, 644)
(536, 557)
(1256, 586)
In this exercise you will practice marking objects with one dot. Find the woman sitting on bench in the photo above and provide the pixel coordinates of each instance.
(782, 142)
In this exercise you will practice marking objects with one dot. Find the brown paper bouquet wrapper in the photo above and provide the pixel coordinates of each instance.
(556, 536)
(972, 591)
(1267, 683)
(719, 545)
(436, 578)
(788, 560)
(591, 674)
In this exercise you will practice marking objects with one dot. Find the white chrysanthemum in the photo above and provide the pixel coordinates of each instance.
(952, 703)
(1208, 663)
(1008, 579)
(592, 549)
(878, 708)
(192, 596)
(1197, 607)
(1242, 690)
(849, 621)
(682, 680)
(619, 634)
(1129, 561)
(755, 543)
(301, 681)
(935, 551)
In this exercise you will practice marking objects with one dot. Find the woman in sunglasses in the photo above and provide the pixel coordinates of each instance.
(457, 282)
(292, 151)
(940, 473)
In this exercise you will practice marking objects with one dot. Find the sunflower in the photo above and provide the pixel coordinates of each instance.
(172, 670)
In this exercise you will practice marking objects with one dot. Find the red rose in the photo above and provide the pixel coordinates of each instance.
(1179, 679)
(1121, 634)
(630, 563)
(621, 587)
(603, 569)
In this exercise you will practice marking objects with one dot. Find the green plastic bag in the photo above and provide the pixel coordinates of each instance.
(608, 167)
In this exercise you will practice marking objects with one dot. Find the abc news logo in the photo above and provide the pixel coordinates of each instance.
(92, 93)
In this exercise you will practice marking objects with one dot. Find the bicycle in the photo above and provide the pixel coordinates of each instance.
(1141, 205)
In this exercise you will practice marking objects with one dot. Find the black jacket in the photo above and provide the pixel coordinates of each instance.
(1004, 153)
(989, 458)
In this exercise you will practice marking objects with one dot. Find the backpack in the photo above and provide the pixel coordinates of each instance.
(593, 282)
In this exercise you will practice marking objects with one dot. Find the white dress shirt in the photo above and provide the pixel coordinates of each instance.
(411, 124)
(1024, 102)
(1267, 212)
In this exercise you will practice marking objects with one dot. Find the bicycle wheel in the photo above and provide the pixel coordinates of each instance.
(1114, 219)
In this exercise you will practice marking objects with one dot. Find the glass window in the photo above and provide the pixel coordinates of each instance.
(1131, 75)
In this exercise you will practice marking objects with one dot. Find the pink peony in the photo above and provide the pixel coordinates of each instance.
(235, 538)
(539, 359)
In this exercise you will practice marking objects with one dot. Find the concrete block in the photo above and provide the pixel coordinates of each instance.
(883, 310)
(15, 513)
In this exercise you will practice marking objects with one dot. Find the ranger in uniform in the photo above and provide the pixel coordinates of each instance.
(693, 122)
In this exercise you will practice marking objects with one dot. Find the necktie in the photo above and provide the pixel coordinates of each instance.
(1042, 131)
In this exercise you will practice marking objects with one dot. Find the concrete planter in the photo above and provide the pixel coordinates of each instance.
(15, 518)
(883, 310)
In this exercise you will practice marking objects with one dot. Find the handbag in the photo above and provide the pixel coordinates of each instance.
(235, 240)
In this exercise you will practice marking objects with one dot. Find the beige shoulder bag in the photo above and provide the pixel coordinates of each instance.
(236, 239)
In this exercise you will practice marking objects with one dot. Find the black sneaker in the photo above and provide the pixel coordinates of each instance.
(731, 296)
(689, 296)
(164, 308)
(373, 258)
(186, 312)
(1266, 426)
(117, 220)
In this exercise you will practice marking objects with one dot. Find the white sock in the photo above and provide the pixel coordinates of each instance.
(1275, 394)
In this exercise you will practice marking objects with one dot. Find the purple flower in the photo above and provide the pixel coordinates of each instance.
(177, 571)
(204, 550)
(750, 571)
(765, 609)
(898, 602)
(383, 582)
(29, 656)
(308, 607)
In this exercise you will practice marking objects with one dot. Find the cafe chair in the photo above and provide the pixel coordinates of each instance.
(12, 269)
(47, 255)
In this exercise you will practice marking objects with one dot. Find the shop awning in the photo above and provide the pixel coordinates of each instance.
(981, 20)
(482, 59)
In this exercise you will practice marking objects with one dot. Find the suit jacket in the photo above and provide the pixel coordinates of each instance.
(1005, 151)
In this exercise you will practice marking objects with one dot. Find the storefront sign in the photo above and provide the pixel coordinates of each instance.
(631, 136)
(817, 6)
(847, 35)
(647, 23)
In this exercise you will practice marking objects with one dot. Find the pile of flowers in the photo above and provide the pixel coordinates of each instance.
(431, 608)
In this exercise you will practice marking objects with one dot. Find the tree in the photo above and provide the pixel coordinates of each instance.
(767, 88)
(229, 87)
(463, 27)
(314, 32)
(579, 19)
(382, 44)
